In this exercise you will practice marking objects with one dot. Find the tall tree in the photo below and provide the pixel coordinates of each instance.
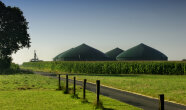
(13, 31)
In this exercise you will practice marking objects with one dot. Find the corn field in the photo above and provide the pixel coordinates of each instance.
(111, 67)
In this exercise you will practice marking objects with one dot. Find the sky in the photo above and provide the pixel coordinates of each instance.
(58, 25)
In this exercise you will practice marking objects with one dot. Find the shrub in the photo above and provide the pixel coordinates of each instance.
(14, 68)
(5, 63)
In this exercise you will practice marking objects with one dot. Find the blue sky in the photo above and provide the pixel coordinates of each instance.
(58, 25)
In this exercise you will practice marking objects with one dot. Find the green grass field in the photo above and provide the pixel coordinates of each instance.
(173, 86)
(35, 92)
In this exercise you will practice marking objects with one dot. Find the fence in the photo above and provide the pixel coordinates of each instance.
(161, 96)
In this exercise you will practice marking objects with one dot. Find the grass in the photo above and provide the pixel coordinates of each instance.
(173, 86)
(35, 92)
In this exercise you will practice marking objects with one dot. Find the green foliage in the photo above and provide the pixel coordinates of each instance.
(5, 63)
(12, 69)
(13, 30)
(13, 33)
(110, 67)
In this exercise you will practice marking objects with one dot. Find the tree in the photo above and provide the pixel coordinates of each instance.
(13, 31)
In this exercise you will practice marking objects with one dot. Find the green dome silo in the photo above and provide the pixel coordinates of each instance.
(141, 52)
(112, 54)
(83, 53)
(59, 56)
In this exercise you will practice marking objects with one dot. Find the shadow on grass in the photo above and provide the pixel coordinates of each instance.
(12, 72)
(115, 75)
(75, 96)
(99, 105)
(90, 74)
(26, 71)
(108, 109)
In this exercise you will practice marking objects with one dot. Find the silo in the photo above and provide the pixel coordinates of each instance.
(58, 57)
(83, 53)
(141, 52)
(112, 54)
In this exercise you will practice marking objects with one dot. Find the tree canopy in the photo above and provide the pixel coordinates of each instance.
(13, 30)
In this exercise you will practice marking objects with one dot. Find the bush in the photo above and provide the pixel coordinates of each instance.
(14, 68)
(5, 63)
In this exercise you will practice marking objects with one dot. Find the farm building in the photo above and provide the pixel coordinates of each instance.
(142, 52)
(81, 53)
(112, 54)
(57, 58)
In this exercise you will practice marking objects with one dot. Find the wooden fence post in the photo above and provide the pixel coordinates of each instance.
(59, 76)
(67, 83)
(84, 88)
(74, 85)
(161, 102)
(98, 90)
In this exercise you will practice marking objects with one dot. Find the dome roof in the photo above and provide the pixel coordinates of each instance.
(141, 52)
(57, 58)
(114, 53)
(82, 53)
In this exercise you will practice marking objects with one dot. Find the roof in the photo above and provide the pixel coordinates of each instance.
(82, 53)
(61, 54)
(141, 52)
(114, 53)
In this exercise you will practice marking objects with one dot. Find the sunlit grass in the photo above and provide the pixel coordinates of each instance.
(173, 86)
(35, 92)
